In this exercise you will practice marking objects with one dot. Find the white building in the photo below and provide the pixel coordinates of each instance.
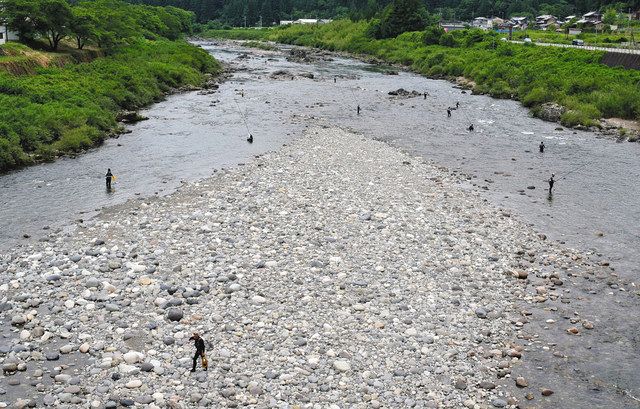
(7, 35)
(311, 21)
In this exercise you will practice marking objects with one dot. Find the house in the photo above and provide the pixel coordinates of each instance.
(545, 20)
(453, 26)
(7, 35)
(519, 23)
(591, 19)
(592, 16)
(486, 23)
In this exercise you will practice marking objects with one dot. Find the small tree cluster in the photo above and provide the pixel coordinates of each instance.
(103, 22)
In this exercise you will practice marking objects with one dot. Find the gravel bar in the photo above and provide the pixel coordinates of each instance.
(338, 272)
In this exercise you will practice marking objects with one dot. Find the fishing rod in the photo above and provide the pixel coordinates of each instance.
(576, 169)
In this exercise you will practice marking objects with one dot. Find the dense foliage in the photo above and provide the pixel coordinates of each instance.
(248, 12)
(69, 106)
(534, 75)
(107, 23)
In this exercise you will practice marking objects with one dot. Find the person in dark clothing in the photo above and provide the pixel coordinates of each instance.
(457, 104)
(448, 112)
(334, 80)
(358, 109)
(425, 95)
(471, 128)
(250, 138)
(199, 344)
(541, 147)
(108, 177)
(551, 182)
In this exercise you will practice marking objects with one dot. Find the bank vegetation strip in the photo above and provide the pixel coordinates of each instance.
(574, 79)
(69, 100)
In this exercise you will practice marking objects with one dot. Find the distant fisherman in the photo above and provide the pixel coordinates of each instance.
(471, 128)
(448, 112)
(425, 95)
(334, 80)
(250, 138)
(358, 109)
(551, 182)
(457, 104)
(541, 147)
(108, 178)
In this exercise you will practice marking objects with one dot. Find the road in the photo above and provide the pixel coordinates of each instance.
(586, 47)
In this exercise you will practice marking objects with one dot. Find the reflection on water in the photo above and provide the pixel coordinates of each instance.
(595, 203)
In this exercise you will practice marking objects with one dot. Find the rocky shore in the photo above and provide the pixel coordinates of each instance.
(337, 272)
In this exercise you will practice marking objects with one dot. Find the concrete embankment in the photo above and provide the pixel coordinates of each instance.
(338, 272)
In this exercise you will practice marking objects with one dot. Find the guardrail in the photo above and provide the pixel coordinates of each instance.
(584, 47)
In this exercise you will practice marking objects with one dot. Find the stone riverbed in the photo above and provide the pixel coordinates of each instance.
(337, 272)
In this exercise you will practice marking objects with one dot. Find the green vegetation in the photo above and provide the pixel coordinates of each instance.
(261, 45)
(62, 104)
(534, 75)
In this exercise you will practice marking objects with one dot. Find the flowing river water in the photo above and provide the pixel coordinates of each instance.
(595, 206)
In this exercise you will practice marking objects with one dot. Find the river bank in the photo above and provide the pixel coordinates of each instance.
(69, 109)
(336, 271)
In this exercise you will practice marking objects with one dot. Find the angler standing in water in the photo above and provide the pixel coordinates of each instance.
(250, 138)
(470, 128)
(448, 112)
(358, 109)
(457, 104)
(108, 177)
(541, 147)
(425, 95)
(551, 182)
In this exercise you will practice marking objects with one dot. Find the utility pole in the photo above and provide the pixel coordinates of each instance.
(260, 23)
(245, 21)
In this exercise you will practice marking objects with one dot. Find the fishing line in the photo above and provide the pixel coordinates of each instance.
(244, 119)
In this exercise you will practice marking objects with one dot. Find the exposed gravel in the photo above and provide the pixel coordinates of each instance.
(337, 272)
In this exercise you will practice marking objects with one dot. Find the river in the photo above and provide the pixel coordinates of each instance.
(595, 205)
(596, 200)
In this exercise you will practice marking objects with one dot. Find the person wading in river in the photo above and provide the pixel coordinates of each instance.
(541, 147)
(108, 178)
(448, 112)
(470, 128)
(199, 344)
(358, 109)
(457, 104)
(551, 182)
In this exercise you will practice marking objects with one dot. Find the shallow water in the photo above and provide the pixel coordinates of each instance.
(596, 199)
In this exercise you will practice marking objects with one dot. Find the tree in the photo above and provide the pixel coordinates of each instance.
(82, 26)
(19, 15)
(53, 20)
(401, 16)
(610, 16)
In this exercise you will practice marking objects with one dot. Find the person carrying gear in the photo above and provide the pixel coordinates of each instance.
(199, 344)
(108, 177)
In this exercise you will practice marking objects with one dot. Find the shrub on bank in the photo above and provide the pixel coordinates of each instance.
(71, 108)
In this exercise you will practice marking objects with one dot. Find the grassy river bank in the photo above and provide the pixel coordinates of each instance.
(66, 100)
(583, 89)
